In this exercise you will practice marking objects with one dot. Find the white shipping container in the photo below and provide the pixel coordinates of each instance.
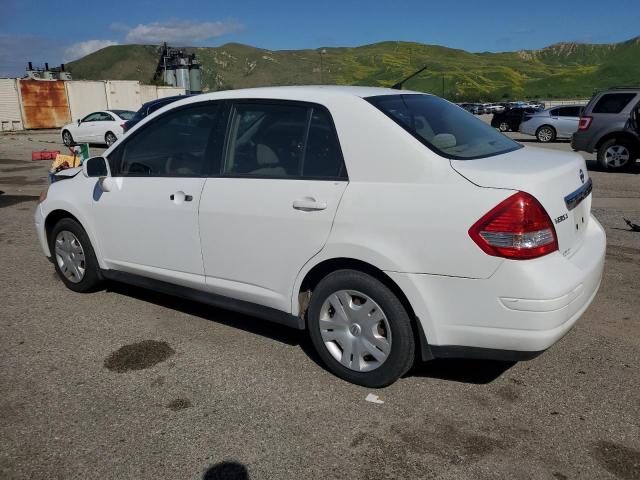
(123, 95)
(148, 93)
(10, 116)
(85, 97)
(170, 91)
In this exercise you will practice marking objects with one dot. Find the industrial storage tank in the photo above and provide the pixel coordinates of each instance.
(182, 74)
(195, 77)
(170, 75)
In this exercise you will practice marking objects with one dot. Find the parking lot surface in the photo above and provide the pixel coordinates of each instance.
(127, 383)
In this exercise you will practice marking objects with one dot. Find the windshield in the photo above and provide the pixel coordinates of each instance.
(444, 127)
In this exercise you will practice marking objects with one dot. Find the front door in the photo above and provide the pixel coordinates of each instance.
(273, 206)
(148, 223)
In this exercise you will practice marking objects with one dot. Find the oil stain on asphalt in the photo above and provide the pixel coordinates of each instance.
(138, 356)
(179, 404)
(622, 461)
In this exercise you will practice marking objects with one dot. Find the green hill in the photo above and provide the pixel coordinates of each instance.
(565, 70)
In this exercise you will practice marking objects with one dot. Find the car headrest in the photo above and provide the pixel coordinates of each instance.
(265, 155)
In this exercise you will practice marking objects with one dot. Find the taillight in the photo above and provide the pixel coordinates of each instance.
(518, 228)
(584, 123)
(122, 126)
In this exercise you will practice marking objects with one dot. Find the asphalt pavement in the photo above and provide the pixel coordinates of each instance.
(127, 383)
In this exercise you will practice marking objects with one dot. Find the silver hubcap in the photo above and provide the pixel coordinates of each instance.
(504, 127)
(616, 156)
(67, 138)
(110, 139)
(355, 330)
(545, 135)
(70, 256)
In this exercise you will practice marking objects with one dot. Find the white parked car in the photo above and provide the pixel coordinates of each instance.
(98, 127)
(391, 225)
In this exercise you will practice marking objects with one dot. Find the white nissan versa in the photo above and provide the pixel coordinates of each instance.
(389, 224)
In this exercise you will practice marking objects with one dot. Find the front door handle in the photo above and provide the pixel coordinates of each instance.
(180, 197)
(309, 204)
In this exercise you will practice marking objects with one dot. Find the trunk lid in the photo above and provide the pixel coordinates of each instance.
(558, 180)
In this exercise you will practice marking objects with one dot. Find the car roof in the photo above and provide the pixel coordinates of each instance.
(308, 91)
(170, 99)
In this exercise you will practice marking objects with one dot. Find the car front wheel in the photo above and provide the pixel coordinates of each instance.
(503, 127)
(360, 329)
(616, 154)
(67, 138)
(73, 256)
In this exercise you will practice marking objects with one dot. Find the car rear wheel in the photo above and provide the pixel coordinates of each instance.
(360, 329)
(546, 134)
(67, 138)
(73, 256)
(110, 138)
(616, 155)
(503, 127)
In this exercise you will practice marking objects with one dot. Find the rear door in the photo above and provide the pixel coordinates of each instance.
(568, 118)
(272, 206)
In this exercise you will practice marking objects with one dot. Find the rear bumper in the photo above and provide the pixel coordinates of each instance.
(521, 310)
(528, 128)
(581, 141)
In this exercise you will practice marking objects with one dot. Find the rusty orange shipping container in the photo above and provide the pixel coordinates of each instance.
(44, 103)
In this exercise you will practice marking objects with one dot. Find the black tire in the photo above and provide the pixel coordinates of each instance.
(503, 126)
(110, 138)
(612, 145)
(401, 355)
(67, 138)
(92, 278)
(546, 134)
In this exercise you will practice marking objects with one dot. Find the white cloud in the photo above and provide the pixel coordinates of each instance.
(180, 32)
(80, 49)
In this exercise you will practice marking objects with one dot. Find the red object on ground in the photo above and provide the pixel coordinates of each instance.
(44, 154)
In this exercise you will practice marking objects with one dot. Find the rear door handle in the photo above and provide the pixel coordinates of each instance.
(180, 197)
(309, 204)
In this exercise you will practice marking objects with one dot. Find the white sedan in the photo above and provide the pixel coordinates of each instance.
(103, 127)
(391, 225)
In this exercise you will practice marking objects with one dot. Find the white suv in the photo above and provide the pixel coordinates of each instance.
(389, 224)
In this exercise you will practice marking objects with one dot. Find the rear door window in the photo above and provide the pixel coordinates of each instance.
(288, 140)
(613, 102)
(569, 112)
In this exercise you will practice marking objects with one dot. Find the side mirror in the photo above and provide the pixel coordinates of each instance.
(79, 122)
(98, 167)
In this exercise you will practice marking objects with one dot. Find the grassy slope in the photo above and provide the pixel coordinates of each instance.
(562, 70)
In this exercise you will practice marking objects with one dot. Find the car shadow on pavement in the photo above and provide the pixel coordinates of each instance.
(456, 370)
(247, 323)
(478, 372)
(226, 471)
(593, 166)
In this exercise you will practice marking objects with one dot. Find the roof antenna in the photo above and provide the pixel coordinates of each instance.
(398, 86)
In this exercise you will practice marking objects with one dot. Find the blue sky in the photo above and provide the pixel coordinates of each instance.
(62, 30)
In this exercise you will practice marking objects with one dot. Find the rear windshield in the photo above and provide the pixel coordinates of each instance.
(613, 102)
(444, 127)
(124, 114)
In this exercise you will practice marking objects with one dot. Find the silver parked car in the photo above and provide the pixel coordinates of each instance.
(552, 123)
